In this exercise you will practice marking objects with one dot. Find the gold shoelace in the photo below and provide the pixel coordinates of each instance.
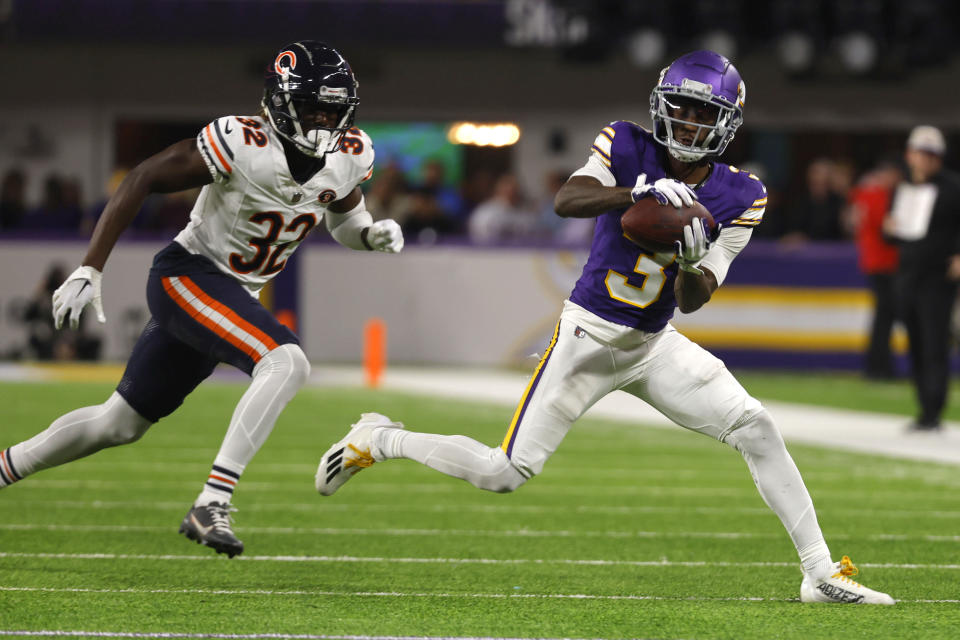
(364, 460)
(847, 569)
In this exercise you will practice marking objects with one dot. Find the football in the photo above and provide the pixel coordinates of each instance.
(656, 227)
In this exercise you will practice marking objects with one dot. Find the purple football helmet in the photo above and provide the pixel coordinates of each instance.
(706, 77)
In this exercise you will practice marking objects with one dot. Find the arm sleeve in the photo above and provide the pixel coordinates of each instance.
(349, 228)
(600, 161)
(596, 169)
(728, 246)
(753, 215)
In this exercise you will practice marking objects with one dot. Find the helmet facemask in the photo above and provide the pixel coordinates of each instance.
(291, 114)
(709, 139)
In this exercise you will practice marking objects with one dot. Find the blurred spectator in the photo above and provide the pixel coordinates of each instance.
(435, 178)
(425, 219)
(504, 217)
(843, 175)
(171, 211)
(550, 225)
(387, 195)
(925, 220)
(477, 187)
(43, 342)
(60, 208)
(877, 258)
(93, 214)
(815, 215)
(12, 202)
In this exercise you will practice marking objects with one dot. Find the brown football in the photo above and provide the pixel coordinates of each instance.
(656, 227)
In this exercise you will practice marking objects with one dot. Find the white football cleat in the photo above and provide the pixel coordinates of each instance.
(350, 455)
(837, 587)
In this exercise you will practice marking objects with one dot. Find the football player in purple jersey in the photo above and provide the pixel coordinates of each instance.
(614, 330)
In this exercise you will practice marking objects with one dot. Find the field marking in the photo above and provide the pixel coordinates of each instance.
(558, 472)
(235, 636)
(543, 488)
(353, 507)
(453, 561)
(397, 594)
(509, 533)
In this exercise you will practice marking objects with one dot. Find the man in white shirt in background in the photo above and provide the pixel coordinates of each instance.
(925, 222)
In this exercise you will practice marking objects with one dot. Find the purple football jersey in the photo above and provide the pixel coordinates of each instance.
(623, 283)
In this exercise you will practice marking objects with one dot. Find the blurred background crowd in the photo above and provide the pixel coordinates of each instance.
(483, 207)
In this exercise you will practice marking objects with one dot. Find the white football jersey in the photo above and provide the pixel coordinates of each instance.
(254, 214)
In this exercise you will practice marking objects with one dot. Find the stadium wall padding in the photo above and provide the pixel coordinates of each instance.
(458, 305)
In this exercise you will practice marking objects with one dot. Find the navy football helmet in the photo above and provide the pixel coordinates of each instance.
(703, 78)
(306, 78)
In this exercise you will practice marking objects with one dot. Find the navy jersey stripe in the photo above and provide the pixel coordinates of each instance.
(13, 469)
(223, 143)
(226, 472)
(207, 152)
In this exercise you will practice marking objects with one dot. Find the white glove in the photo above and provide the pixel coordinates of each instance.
(694, 247)
(76, 292)
(386, 236)
(664, 190)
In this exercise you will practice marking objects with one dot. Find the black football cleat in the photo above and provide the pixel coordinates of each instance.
(210, 525)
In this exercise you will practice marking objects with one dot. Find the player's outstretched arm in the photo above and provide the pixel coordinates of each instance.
(586, 197)
(178, 167)
(350, 224)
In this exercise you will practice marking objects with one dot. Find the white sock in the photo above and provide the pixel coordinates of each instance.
(276, 379)
(457, 456)
(72, 436)
(780, 485)
(223, 477)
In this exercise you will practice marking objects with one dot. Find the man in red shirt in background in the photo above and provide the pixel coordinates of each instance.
(869, 203)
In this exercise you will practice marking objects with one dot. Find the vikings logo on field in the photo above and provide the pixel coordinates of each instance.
(327, 196)
(282, 68)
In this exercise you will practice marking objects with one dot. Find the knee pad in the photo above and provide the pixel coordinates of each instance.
(287, 359)
(755, 434)
(119, 423)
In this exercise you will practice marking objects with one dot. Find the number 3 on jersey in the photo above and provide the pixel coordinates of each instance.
(651, 268)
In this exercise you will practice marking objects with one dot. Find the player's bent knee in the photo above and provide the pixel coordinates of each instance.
(288, 360)
(119, 423)
(505, 478)
(757, 434)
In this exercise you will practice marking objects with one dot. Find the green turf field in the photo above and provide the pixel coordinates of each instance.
(629, 533)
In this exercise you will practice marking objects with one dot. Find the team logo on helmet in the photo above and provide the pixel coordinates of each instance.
(327, 196)
(285, 68)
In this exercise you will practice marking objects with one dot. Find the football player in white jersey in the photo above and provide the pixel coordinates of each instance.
(267, 181)
(614, 331)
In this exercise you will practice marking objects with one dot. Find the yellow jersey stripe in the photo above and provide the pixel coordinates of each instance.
(534, 379)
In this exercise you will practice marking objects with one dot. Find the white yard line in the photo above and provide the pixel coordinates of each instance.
(357, 507)
(450, 561)
(453, 488)
(398, 594)
(491, 533)
(46, 633)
